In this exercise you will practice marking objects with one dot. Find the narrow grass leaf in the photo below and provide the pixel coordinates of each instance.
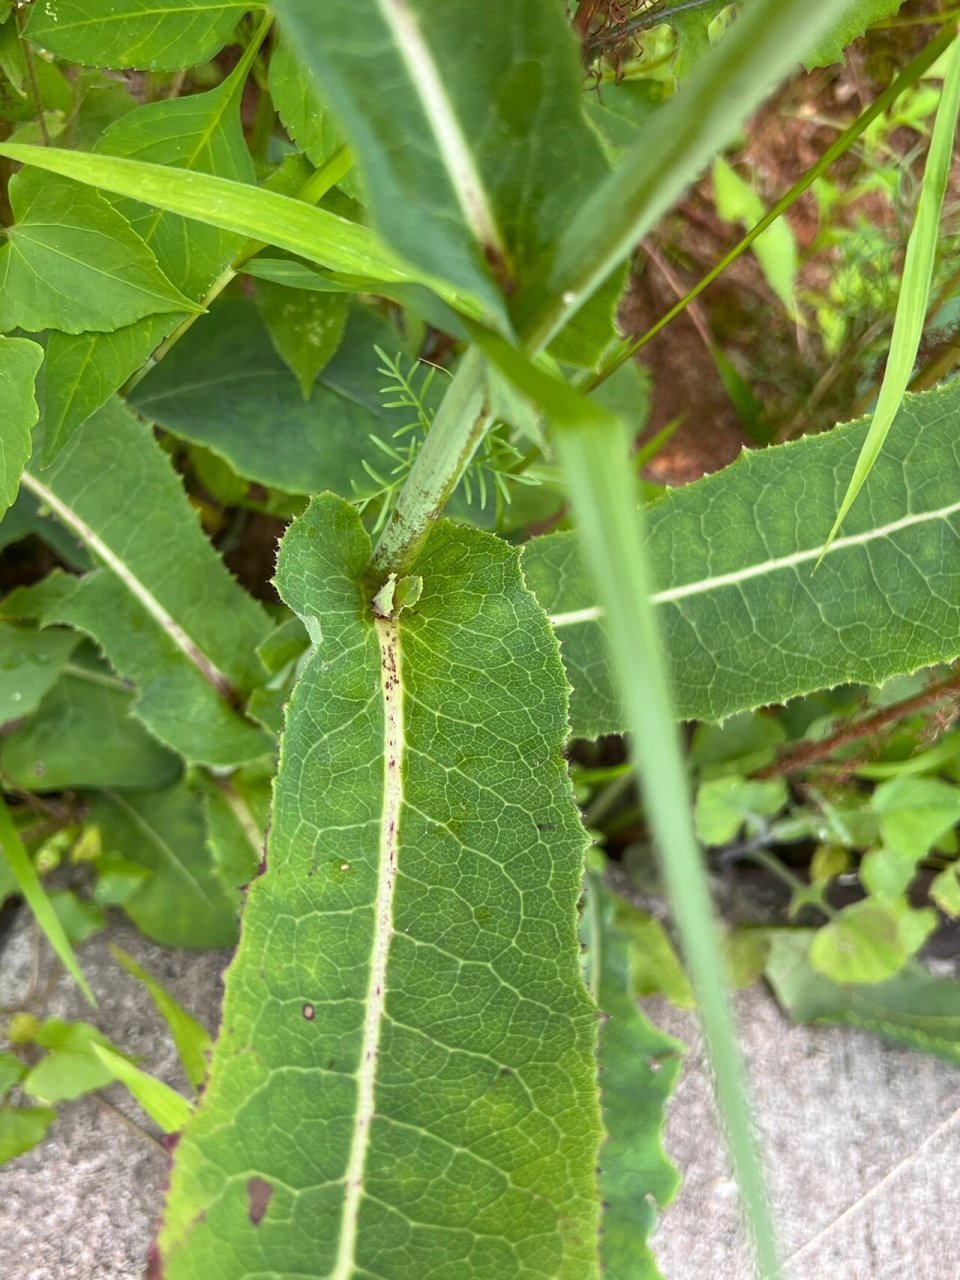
(35, 896)
(252, 212)
(592, 447)
(191, 1038)
(168, 1109)
(914, 287)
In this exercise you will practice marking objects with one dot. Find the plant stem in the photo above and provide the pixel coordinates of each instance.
(315, 187)
(460, 425)
(808, 753)
(909, 76)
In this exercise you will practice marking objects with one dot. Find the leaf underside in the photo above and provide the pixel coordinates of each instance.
(404, 1081)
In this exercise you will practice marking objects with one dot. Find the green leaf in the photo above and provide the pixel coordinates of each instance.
(183, 902)
(252, 212)
(856, 18)
(363, 975)
(870, 941)
(201, 133)
(80, 919)
(655, 967)
(83, 735)
(29, 885)
(20, 363)
(693, 36)
(914, 813)
(12, 1071)
(72, 262)
(21, 1128)
(639, 1067)
(70, 1067)
(725, 88)
(306, 118)
(163, 608)
(168, 1109)
(775, 249)
(191, 1038)
(914, 297)
(745, 620)
(31, 662)
(502, 147)
(913, 1008)
(305, 328)
(228, 390)
(724, 805)
(151, 35)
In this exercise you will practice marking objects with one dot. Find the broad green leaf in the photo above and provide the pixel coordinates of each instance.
(913, 1008)
(406, 990)
(775, 249)
(70, 1066)
(163, 608)
(502, 148)
(655, 967)
(870, 941)
(639, 1066)
(80, 919)
(202, 133)
(725, 805)
(914, 813)
(192, 1040)
(252, 212)
(746, 621)
(28, 882)
(168, 1109)
(29, 87)
(236, 812)
(72, 262)
(31, 662)
(856, 18)
(21, 1128)
(151, 35)
(12, 1071)
(915, 285)
(692, 27)
(183, 902)
(29, 518)
(20, 362)
(305, 328)
(945, 890)
(83, 735)
(229, 389)
(725, 88)
(305, 116)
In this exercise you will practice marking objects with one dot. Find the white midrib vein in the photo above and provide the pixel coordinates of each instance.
(388, 637)
(457, 157)
(187, 646)
(593, 612)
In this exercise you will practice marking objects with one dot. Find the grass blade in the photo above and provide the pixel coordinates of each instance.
(28, 882)
(593, 449)
(914, 288)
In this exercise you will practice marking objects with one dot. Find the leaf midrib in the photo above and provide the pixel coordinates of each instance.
(763, 568)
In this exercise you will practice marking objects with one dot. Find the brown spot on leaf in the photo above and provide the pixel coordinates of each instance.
(259, 1195)
(309, 1012)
